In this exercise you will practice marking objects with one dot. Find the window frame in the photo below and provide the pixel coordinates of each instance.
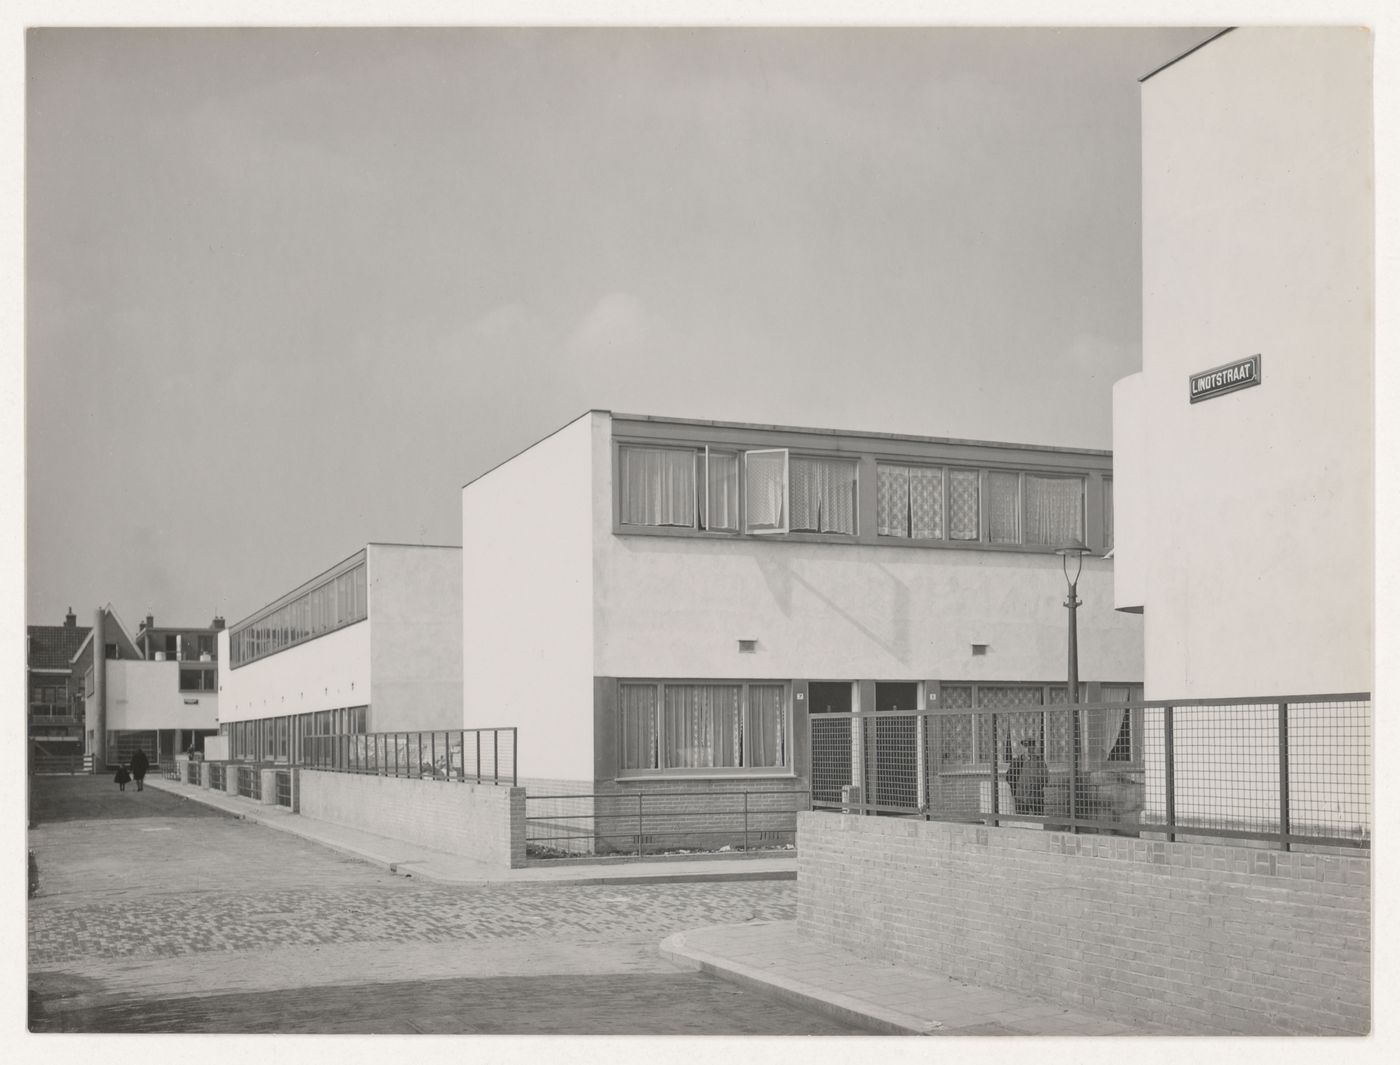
(980, 766)
(787, 770)
(1090, 473)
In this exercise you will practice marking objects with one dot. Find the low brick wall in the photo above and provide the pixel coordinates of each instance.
(481, 821)
(698, 814)
(1193, 937)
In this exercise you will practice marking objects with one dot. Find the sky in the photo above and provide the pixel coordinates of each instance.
(288, 290)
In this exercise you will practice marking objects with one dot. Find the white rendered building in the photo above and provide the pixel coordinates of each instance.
(657, 601)
(371, 645)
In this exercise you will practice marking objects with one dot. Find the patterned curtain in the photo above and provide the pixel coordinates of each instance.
(1003, 510)
(1054, 510)
(926, 504)
(721, 497)
(963, 505)
(638, 703)
(765, 726)
(823, 493)
(1018, 726)
(892, 500)
(702, 725)
(658, 486)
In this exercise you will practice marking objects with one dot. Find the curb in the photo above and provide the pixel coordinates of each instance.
(883, 1021)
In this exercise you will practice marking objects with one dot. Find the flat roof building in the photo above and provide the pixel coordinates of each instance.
(372, 644)
(660, 602)
(1243, 450)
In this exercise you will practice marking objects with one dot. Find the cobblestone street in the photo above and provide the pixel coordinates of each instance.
(164, 916)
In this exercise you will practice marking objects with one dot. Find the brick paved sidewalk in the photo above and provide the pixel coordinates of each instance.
(885, 998)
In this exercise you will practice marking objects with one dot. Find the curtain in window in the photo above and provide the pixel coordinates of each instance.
(638, 704)
(765, 489)
(892, 500)
(963, 505)
(823, 495)
(1054, 510)
(998, 698)
(658, 486)
(926, 504)
(701, 725)
(1110, 733)
(1003, 509)
(721, 496)
(1107, 514)
(765, 726)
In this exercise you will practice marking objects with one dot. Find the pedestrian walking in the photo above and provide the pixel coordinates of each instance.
(1028, 776)
(139, 765)
(123, 777)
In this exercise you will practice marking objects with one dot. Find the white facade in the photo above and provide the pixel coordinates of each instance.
(402, 660)
(146, 696)
(562, 602)
(1244, 521)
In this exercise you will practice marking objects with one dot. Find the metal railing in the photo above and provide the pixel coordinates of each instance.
(249, 781)
(216, 776)
(1288, 770)
(482, 756)
(663, 821)
(59, 764)
(284, 787)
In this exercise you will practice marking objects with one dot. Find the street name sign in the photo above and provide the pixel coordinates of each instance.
(1228, 378)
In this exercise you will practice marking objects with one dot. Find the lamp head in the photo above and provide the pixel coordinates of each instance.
(1073, 549)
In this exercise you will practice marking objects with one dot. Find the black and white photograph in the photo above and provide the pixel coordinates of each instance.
(710, 525)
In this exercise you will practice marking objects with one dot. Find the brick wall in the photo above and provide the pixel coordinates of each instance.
(481, 821)
(699, 814)
(1193, 937)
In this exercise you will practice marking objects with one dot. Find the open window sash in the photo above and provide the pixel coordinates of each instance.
(766, 491)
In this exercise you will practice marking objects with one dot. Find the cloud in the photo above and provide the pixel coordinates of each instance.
(509, 319)
(616, 325)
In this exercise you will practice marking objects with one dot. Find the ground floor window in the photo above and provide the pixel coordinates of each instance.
(1107, 735)
(314, 739)
(703, 725)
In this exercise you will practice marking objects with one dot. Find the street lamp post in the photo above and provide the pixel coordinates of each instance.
(1075, 550)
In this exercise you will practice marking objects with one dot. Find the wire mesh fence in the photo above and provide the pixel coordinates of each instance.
(1291, 770)
(662, 822)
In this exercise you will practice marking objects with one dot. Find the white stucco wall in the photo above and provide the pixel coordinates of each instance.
(1131, 531)
(527, 595)
(146, 695)
(1254, 562)
(322, 674)
(672, 607)
(415, 607)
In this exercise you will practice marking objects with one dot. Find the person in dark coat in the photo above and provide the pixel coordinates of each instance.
(1028, 776)
(139, 765)
(122, 778)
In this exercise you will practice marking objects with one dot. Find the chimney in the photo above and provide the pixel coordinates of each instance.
(70, 619)
(217, 623)
(150, 622)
